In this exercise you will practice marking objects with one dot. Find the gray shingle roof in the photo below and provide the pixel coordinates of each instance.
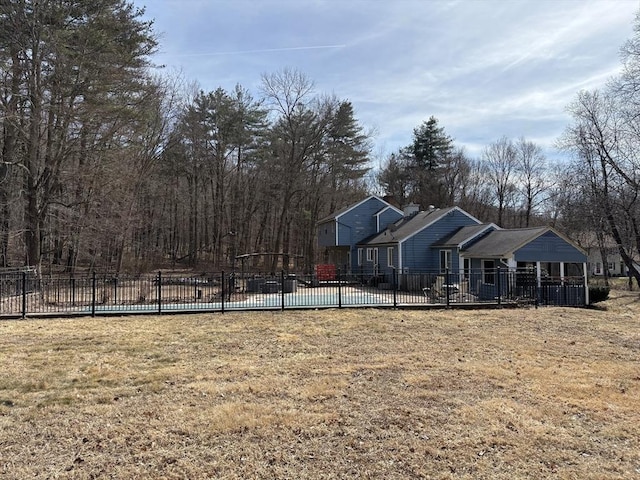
(463, 234)
(336, 214)
(502, 243)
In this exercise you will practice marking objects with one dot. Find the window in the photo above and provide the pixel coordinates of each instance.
(550, 269)
(369, 254)
(359, 256)
(390, 256)
(466, 268)
(445, 260)
(489, 271)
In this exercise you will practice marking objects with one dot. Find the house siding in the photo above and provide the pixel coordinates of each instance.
(327, 234)
(354, 225)
(388, 217)
(476, 264)
(549, 248)
(359, 223)
(417, 251)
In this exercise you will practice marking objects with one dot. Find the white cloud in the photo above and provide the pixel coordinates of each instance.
(484, 68)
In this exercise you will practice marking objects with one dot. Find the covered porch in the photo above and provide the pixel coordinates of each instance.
(555, 283)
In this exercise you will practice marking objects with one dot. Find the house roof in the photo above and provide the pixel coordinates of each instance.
(465, 234)
(502, 243)
(342, 211)
(406, 227)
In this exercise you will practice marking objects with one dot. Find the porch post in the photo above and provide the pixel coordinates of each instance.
(562, 273)
(539, 293)
(586, 284)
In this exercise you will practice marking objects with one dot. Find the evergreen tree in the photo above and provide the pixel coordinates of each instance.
(431, 146)
(430, 151)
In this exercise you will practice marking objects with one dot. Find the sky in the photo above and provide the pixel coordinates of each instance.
(484, 68)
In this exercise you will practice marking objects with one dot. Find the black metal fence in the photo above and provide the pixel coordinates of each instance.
(26, 293)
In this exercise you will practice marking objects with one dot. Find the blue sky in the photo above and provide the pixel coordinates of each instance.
(483, 68)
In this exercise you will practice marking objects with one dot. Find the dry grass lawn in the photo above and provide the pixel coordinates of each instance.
(494, 394)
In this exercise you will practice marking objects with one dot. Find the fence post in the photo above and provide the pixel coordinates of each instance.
(339, 290)
(24, 294)
(93, 293)
(499, 285)
(282, 289)
(222, 282)
(159, 292)
(394, 285)
(447, 286)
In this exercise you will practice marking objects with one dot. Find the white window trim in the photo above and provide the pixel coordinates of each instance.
(448, 260)
(390, 256)
(465, 268)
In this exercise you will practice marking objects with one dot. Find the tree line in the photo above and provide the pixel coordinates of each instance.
(107, 164)
(511, 183)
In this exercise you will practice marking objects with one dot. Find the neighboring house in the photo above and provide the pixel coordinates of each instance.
(603, 256)
(376, 239)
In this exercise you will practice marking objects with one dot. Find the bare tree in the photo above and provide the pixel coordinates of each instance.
(532, 176)
(601, 138)
(475, 189)
(297, 133)
(501, 162)
(394, 177)
(70, 93)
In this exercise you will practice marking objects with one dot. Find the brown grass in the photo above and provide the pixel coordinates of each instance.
(499, 394)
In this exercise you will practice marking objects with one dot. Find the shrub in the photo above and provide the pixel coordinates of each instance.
(598, 293)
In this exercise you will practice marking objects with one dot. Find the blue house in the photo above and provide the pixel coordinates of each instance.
(376, 239)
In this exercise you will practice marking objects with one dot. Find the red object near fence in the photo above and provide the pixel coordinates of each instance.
(326, 272)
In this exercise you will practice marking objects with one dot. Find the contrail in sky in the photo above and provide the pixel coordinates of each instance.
(263, 50)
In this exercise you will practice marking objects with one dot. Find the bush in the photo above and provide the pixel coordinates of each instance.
(598, 293)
